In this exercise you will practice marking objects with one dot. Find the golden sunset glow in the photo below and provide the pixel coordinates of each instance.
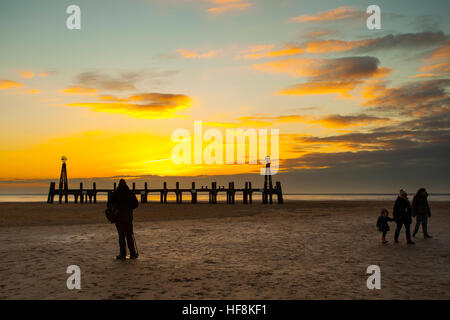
(343, 97)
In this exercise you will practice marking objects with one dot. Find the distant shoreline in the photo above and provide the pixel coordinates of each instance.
(288, 193)
(289, 196)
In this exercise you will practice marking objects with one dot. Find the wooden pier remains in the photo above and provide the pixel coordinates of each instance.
(83, 195)
(86, 195)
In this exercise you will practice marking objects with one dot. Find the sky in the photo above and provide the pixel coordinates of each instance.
(357, 110)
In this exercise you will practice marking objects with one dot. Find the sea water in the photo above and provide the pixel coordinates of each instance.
(222, 197)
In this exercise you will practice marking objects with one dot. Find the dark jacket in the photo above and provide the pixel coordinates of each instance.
(125, 202)
(420, 207)
(382, 223)
(402, 211)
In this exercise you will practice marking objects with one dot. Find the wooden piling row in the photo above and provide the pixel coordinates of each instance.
(83, 195)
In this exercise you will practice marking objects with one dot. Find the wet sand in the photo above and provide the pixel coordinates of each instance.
(299, 250)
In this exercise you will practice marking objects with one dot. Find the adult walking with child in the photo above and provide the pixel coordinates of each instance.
(402, 216)
(421, 210)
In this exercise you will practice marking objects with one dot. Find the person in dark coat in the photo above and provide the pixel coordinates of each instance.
(123, 201)
(383, 225)
(402, 216)
(421, 210)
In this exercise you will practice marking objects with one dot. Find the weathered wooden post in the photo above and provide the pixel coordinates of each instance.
(178, 192)
(233, 193)
(51, 193)
(165, 193)
(81, 193)
(210, 193)
(229, 192)
(94, 188)
(66, 195)
(265, 194)
(279, 192)
(193, 193)
(144, 194)
(60, 194)
(244, 195)
(268, 187)
(250, 193)
(270, 193)
(215, 192)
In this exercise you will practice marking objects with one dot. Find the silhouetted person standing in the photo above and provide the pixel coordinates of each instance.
(123, 201)
(421, 211)
(402, 216)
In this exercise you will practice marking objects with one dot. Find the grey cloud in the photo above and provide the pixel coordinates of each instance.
(404, 41)
(425, 97)
(125, 81)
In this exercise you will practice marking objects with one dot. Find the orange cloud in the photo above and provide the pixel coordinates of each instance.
(111, 98)
(32, 91)
(145, 105)
(222, 6)
(327, 76)
(412, 99)
(425, 75)
(259, 48)
(326, 69)
(337, 121)
(266, 52)
(327, 46)
(300, 67)
(322, 87)
(332, 121)
(372, 88)
(340, 13)
(27, 74)
(390, 41)
(437, 64)
(222, 124)
(442, 53)
(80, 91)
(443, 67)
(9, 84)
(190, 54)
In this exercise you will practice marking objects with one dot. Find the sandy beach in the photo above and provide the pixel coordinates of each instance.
(298, 250)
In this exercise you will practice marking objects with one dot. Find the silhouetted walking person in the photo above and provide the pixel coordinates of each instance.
(402, 216)
(121, 203)
(421, 211)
